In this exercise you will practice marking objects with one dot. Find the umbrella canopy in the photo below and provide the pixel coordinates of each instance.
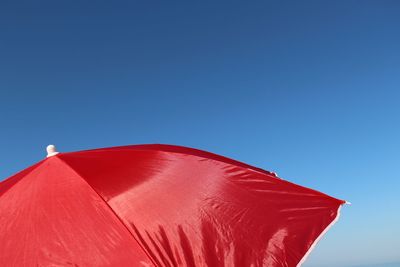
(157, 205)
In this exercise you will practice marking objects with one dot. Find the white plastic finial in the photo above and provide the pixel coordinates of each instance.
(51, 150)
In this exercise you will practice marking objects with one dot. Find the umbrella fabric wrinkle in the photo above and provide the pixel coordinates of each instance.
(138, 236)
(187, 249)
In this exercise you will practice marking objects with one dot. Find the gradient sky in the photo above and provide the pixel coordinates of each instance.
(308, 89)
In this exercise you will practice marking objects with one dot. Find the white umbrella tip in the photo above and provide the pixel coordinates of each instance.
(51, 150)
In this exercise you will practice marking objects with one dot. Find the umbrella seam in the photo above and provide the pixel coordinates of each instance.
(35, 166)
(106, 203)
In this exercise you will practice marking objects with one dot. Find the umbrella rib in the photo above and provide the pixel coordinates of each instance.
(109, 207)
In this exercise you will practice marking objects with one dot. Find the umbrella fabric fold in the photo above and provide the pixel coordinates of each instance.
(157, 205)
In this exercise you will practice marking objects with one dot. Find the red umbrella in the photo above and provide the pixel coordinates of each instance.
(157, 205)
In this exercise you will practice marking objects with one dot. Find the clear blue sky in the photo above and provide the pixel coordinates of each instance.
(308, 89)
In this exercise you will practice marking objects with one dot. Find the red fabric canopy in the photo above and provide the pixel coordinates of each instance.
(156, 205)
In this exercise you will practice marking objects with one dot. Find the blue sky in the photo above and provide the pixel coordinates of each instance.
(308, 89)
